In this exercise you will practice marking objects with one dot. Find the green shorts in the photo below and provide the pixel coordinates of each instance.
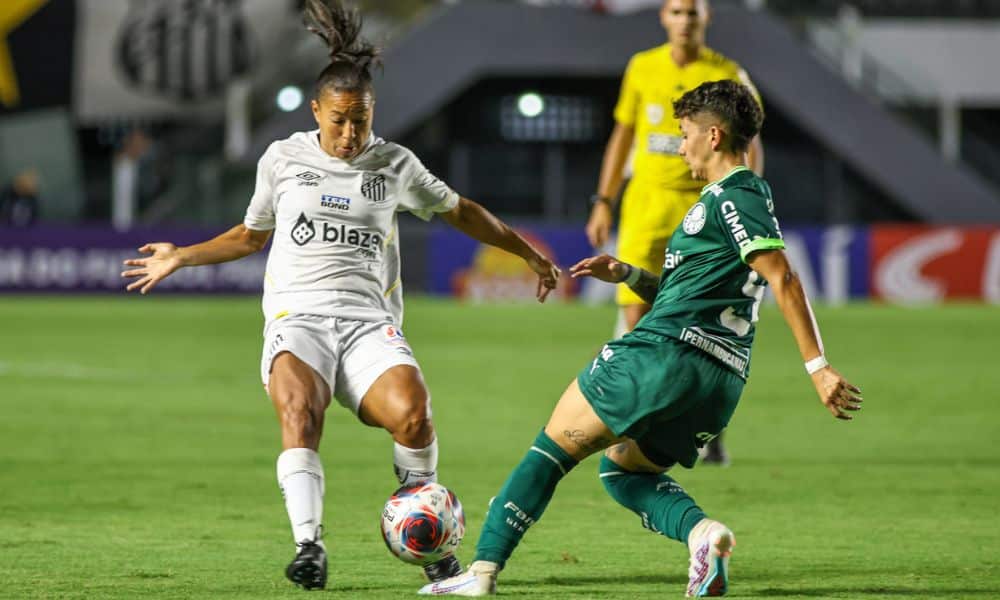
(667, 395)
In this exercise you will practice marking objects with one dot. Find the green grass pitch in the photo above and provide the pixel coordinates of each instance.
(137, 455)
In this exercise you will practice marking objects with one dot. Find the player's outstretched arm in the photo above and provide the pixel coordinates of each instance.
(837, 394)
(610, 182)
(165, 258)
(480, 224)
(608, 268)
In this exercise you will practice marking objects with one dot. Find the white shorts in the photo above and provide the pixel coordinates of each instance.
(350, 355)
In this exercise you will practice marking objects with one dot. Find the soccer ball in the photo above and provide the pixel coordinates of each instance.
(423, 523)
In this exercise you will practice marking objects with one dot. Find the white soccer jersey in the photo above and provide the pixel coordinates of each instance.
(334, 250)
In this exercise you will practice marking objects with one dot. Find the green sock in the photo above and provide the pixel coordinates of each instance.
(660, 502)
(522, 499)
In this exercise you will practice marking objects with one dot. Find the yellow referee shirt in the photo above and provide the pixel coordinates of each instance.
(651, 84)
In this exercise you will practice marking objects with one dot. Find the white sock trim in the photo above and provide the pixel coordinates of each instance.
(414, 465)
(550, 457)
(611, 474)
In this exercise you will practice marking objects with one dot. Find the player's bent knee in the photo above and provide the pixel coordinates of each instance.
(630, 457)
(414, 428)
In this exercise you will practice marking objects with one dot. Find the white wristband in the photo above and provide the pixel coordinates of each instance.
(633, 276)
(816, 364)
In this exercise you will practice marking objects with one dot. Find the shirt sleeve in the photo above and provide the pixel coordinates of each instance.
(749, 222)
(425, 194)
(260, 213)
(628, 98)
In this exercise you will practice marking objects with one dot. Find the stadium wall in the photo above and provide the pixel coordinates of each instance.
(900, 264)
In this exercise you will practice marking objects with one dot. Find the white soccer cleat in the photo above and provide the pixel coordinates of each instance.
(711, 543)
(479, 580)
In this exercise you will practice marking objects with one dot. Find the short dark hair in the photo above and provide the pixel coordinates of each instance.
(351, 56)
(731, 102)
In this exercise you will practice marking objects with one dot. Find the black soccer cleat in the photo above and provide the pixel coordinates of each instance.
(308, 569)
(443, 569)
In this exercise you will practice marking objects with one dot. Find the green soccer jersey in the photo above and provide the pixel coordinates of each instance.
(708, 296)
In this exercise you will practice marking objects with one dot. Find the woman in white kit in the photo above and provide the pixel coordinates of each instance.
(332, 302)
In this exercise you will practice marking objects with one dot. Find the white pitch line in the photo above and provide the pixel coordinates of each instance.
(60, 370)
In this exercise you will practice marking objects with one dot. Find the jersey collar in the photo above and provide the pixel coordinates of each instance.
(734, 171)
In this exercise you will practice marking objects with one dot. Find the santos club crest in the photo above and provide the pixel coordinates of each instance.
(186, 50)
(373, 187)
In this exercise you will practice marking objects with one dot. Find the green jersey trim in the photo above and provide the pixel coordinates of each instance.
(734, 171)
(761, 244)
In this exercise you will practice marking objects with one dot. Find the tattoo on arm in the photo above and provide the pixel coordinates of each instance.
(585, 442)
(647, 286)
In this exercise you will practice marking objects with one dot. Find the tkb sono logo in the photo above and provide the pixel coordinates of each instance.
(335, 202)
(369, 244)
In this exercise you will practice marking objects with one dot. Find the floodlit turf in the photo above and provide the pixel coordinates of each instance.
(137, 457)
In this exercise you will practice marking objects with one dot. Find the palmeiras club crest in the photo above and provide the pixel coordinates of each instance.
(303, 231)
(373, 187)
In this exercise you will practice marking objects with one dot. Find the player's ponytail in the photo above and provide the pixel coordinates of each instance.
(351, 56)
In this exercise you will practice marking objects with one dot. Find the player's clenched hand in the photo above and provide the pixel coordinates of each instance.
(164, 261)
(604, 267)
(599, 225)
(548, 275)
(836, 393)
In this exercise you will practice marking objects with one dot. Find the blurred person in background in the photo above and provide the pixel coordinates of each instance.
(661, 189)
(332, 295)
(19, 200)
(125, 179)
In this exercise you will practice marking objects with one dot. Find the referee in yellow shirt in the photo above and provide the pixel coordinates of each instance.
(661, 189)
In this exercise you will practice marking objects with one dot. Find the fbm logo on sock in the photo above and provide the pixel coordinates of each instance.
(523, 520)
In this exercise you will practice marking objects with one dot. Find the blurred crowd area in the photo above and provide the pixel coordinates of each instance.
(142, 115)
(133, 113)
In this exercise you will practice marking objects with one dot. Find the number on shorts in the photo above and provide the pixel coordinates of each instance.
(606, 354)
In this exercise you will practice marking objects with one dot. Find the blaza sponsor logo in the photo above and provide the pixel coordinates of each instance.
(368, 243)
(373, 187)
(304, 230)
(308, 178)
(335, 202)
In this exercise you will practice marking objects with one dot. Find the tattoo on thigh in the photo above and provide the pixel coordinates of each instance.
(586, 442)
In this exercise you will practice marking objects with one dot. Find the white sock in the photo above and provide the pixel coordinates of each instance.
(621, 323)
(415, 465)
(300, 477)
